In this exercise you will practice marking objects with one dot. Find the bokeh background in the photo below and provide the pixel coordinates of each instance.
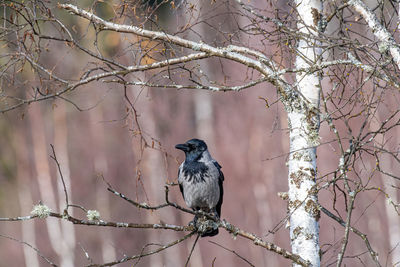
(95, 136)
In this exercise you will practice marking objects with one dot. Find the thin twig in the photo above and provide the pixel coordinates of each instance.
(191, 251)
(363, 236)
(32, 247)
(125, 259)
(136, 204)
(346, 232)
(234, 252)
(86, 253)
(54, 157)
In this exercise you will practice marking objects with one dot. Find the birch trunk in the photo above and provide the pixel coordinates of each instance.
(304, 126)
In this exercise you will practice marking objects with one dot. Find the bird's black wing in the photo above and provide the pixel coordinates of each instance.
(180, 185)
(221, 188)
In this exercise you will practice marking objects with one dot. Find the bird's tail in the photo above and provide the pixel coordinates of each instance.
(212, 232)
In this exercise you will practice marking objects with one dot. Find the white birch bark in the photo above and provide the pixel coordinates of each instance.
(304, 125)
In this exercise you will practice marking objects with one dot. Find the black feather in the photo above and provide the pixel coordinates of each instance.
(181, 188)
(195, 171)
(221, 188)
(211, 233)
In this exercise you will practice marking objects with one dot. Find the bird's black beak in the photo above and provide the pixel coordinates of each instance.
(183, 147)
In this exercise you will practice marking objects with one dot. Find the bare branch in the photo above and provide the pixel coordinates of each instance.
(198, 86)
(377, 29)
(32, 247)
(125, 259)
(54, 157)
(259, 242)
(226, 53)
(191, 251)
(373, 254)
(234, 252)
(224, 224)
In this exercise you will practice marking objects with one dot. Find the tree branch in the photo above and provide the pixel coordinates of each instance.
(267, 245)
(224, 52)
(223, 224)
(377, 29)
(32, 247)
(141, 255)
(363, 236)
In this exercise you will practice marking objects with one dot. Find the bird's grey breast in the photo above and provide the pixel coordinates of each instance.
(199, 180)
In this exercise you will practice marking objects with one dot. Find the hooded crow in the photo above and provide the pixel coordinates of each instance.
(200, 180)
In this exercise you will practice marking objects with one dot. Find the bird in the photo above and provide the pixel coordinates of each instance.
(200, 180)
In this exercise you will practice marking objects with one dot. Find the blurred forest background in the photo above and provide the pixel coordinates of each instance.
(96, 134)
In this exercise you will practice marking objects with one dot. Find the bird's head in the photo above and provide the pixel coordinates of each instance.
(193, 149)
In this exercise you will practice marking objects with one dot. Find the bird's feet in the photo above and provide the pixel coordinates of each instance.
(204, 226)
(208, 228)
(194, 221)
